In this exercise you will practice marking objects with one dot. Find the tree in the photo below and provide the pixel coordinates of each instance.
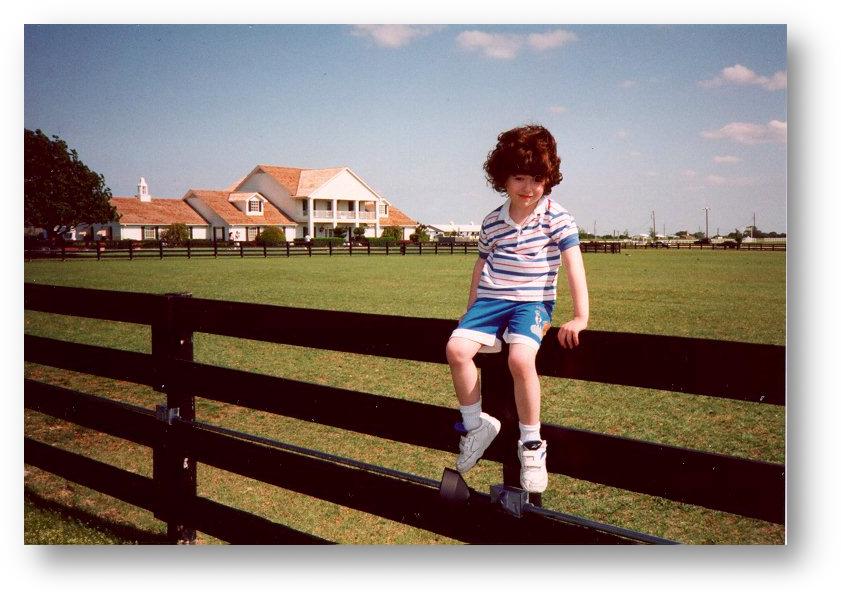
(58, 189)
(392, 233)
(271, 236)
(176, 234)
(421, 234)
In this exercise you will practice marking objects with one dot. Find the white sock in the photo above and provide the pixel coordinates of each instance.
(470, 415)
(529, 432)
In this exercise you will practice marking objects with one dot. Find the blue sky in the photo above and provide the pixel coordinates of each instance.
(670, 119)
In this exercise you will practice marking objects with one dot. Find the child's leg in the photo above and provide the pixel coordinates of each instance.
(521, 361)
(460, 352)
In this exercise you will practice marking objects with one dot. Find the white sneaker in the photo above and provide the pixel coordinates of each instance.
(475, 442)
(533, 476)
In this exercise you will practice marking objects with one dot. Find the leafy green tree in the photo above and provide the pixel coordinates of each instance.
(176, 234)
(340, 232)
(271, 236)
(392, 233)
(59, 190)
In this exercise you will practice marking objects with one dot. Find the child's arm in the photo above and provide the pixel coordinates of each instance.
(474, 281)
(577, 280)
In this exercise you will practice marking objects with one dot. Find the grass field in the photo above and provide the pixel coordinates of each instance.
(734, 296)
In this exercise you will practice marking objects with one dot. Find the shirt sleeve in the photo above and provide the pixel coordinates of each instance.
(565, 231)
(484, 246)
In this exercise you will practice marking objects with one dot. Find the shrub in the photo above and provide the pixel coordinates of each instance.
(394, 233)
(271, 236)
(176, 234)
(325, 241)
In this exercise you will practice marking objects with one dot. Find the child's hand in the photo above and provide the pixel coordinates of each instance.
(568, 333)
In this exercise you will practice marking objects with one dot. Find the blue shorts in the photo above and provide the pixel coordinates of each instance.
(489, 321)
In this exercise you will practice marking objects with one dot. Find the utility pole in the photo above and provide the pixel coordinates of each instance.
(707, 230)
(753, 232)
(653, 222)
(594, 229)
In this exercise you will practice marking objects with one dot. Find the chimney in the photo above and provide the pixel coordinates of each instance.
(143, 191)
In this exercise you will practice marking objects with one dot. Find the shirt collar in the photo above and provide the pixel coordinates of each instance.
(504, 214)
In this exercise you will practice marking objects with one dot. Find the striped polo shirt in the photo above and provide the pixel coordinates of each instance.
(522, 261)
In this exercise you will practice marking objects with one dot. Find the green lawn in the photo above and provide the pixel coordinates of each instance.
(726, 295)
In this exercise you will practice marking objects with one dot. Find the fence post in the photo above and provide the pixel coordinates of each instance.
(386, 248)
(368, 243)
(215, 247)
(436, 248)
(465, 248)
(309, 249)
(420, 248)
(131, 251)
(265, 253)
(174, 470)
(188, 250)
(242, 250)
(287, 249)
(98, 251)
(329, 247)
(497, 391)
(350, 248)
(63, 253)
(161, 248)
(402, 249)
(452, 243)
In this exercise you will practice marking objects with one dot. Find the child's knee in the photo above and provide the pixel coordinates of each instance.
(460, 350)
(521, 363)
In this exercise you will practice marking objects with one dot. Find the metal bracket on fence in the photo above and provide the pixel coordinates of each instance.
(510, 499)
(165, 414)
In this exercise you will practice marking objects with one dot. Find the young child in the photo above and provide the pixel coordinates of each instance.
(512, 293)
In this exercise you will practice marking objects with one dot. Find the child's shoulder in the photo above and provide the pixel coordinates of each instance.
(493, 216)
(555, 210)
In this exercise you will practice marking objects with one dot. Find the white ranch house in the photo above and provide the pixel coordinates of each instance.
(301, 202)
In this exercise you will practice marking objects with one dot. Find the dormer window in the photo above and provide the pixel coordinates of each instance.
(255, 206)
(383, 209)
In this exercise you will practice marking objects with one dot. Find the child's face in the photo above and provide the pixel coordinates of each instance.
(524, 190)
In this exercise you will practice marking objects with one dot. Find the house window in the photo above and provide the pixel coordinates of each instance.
(254, 206)
(149, 233)
(305, 205)
(383, 209)
(251, 233)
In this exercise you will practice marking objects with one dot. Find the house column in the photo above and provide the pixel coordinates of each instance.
(334, 205)
(310, 224)
(356, 213)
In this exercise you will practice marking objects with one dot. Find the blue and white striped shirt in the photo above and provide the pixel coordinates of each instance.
(522, 261)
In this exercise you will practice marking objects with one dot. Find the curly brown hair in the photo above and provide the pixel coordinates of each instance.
(528, 150)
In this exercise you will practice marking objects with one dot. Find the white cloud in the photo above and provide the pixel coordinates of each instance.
(628, 83)
(750, 133)
(506, 46)
(719, 181)
(551, 39)
(492, 45)
(726, 159)
(557, 109)
(741, 75)
(393, 36)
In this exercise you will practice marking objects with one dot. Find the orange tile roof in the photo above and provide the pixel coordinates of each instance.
(287, 176)
(396, 218)
(158, 211)
(219, 202)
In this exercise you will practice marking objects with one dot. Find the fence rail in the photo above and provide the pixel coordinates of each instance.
(746, 372)
(248, 250)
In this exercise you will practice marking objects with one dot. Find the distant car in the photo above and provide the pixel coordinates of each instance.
(729, 243)
(658, 244)
(702, 241)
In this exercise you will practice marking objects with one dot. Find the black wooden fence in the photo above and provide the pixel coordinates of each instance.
(740, 371)
(249, 250)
